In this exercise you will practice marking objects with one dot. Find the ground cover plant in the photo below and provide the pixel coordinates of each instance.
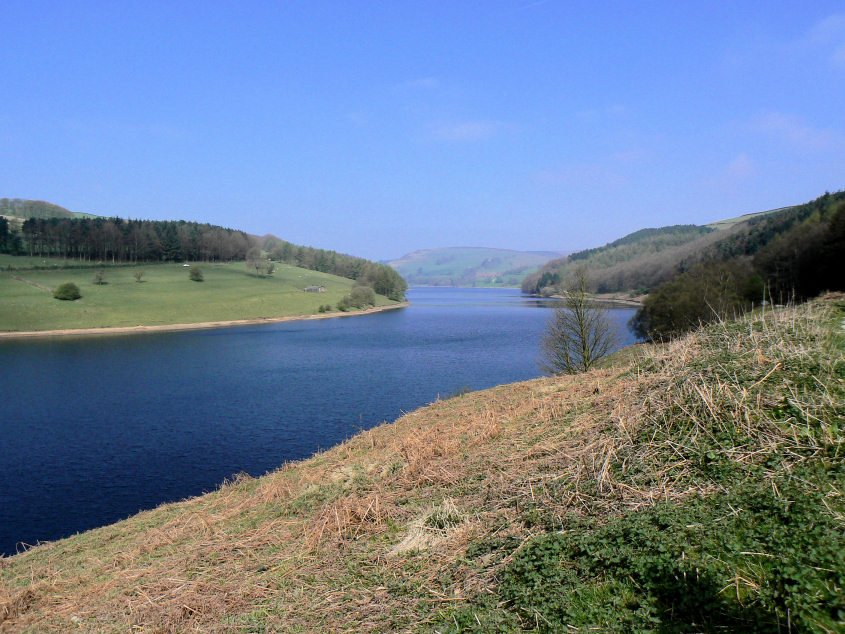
(166, 296)
(688, 486)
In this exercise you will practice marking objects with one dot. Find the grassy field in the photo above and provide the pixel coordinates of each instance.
(729, 222)
(694, 486)
(164, 296)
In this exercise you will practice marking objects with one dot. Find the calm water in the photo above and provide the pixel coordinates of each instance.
(95, 429)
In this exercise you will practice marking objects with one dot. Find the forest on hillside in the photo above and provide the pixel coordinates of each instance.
(99, 240)
(642, 261)
(610, 265)
(790, 256)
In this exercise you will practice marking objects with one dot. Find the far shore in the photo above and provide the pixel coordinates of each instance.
(125, 330)
(608, 300)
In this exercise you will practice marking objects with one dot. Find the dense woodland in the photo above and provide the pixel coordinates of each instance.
(644, 260)
(634, 261)
(792, 255)
(115, 240)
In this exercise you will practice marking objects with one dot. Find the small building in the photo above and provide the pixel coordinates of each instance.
(315, 289)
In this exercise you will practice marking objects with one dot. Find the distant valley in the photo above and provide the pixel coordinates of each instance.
(470, 266)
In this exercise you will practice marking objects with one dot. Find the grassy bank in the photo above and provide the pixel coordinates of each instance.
(164, 295)
(695, 486)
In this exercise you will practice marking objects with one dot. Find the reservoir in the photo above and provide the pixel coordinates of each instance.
(97, 428)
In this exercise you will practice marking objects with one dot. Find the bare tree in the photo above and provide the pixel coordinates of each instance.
(578, 334)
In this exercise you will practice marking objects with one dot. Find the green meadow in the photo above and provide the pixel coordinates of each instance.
(165, 294)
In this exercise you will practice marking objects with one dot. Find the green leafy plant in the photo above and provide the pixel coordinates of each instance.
(749, 559)
(67, 291)
(195, 274)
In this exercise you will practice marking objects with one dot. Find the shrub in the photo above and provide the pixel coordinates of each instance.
(99, 277)
(360, 297)
(195, 274)
(701, 295)
(67, 291)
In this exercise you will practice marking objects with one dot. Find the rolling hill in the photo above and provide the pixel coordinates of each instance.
(470, 266)
(645, 259)
(48, 246)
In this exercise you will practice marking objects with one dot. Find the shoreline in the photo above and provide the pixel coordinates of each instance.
(203, 325)
(615, 301)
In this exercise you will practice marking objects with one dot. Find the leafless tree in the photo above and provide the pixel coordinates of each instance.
(578, 334)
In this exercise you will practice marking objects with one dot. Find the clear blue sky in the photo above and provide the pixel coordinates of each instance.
(378, 128)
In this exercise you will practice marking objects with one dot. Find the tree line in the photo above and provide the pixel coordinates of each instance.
(382, 278)
(645, 259)
(793, 255)
(118, 240)
(611, 265)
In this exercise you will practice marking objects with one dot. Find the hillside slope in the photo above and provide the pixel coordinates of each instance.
(164, 295)
(695, 486)
(26, 209)
(97, 240)
(647, 258)
(470, 266)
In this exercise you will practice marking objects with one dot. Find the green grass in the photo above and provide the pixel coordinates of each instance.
(729, 222)
(694, 486)
(165, 296)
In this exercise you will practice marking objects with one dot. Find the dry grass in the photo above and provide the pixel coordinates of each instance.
(371, 535)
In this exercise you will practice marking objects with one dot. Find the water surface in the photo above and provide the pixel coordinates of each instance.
(95, 429)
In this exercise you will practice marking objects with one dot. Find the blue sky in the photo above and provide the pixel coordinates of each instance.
(378, 128)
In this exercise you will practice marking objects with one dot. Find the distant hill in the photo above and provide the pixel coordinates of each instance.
(16, 210)
(470, 266)
(645, 259)
(26, 209)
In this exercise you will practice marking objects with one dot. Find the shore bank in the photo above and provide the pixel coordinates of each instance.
(125, 330)
(610, 301)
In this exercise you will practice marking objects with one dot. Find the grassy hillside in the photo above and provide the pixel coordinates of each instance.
(27, 209)
(695, 486)
(164, 296)
(729, 222)
(470, 266)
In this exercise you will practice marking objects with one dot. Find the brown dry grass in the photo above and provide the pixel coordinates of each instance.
(371, 534)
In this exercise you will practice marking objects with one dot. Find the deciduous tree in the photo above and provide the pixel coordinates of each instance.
(579, 332)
